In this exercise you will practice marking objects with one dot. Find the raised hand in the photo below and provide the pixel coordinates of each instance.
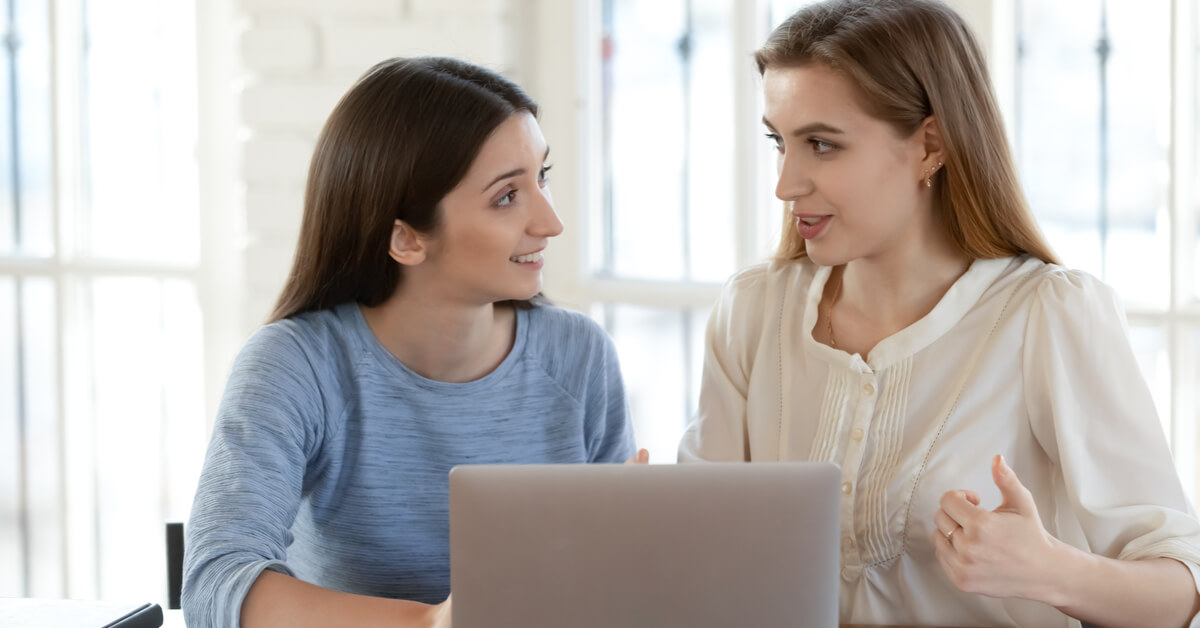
(1004, 552)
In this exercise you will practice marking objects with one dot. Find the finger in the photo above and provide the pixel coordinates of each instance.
(641, 457)
(944, 551)
(944, 522)
(960, 507)
(1015, 497)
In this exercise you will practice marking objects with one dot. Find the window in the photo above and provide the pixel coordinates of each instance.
(102, 410)
(685, 182)
(1105, 128)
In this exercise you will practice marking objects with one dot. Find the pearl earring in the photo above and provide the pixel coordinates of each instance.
(929, 177)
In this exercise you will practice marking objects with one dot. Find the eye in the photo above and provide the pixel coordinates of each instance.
(507, 199)
(775, 139)
(820, 146)
(542, 178)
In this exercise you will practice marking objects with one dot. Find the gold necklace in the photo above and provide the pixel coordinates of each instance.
(829, 314)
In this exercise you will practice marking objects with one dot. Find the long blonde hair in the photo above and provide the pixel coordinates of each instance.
(908, 60)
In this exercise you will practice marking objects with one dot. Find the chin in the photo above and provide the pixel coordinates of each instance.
(823, 258)
(527, 295)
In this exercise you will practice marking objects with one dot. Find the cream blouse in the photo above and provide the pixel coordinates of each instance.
(1019, 358)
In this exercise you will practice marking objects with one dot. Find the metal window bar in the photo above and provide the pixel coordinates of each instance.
(685, 47)
(1018, 73)
(11, 45)
(1103, 52)
(608, 255)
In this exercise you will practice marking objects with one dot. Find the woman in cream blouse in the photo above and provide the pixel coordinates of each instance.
(1001, 459)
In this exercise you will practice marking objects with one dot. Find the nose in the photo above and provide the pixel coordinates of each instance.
(794, 181)
(545, 223)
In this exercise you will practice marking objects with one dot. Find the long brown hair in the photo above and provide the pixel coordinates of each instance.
(401, 139)
(908, 60)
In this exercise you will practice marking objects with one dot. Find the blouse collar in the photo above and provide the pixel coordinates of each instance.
(953, 306)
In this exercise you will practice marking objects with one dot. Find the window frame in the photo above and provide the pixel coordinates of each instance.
(72, 569)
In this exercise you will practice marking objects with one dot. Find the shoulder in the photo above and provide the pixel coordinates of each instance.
(569, 348)
(1060, 289)
(306, 342)
(551, 326)
(755, 283)
(756, 290)
(1070, 306)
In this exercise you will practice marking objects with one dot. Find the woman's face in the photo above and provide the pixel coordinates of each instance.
(854, 186)
(497, 221)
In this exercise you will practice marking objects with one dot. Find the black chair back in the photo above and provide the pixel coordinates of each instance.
(174, 564)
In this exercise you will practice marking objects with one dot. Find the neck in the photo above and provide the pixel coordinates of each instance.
(896, 288)
(443, 341)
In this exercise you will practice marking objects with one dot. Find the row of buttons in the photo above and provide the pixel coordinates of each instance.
(856, 435)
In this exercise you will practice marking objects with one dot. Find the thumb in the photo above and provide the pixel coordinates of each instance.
(1016, 498)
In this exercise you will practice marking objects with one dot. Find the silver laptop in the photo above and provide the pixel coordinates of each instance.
(663, 546)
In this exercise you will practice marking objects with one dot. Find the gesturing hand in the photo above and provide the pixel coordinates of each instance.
(641, 457)
(1004, 552)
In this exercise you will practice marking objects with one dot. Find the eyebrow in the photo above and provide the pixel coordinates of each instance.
(513, 173)
(815, 127)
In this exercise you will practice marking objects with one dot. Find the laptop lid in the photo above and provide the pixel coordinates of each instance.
(695, 545)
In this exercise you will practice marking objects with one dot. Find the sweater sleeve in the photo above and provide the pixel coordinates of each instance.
(1094, 415)
(267, 427)
(718, 433)
(609, 428)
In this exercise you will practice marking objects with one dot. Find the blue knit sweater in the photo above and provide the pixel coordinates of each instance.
(329, 458)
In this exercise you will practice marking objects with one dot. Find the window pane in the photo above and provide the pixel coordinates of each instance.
(1093, 132)
(1139, 134)
(12, 533)
(668, 141)
(30, 486)
(782, 9)
(661, 352)
(1187, 458)
(644, 138)
(148, 383)
(141, 131)
(39, 370)
(26, 210)
(710, 209)
(1194, 211)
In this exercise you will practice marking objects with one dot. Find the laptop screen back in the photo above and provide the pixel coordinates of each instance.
(697, 545)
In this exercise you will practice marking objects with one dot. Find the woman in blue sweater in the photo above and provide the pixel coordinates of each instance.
(410, 338)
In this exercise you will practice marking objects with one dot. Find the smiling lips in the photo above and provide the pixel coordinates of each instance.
(528, 258)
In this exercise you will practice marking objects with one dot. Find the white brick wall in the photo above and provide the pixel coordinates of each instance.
(296, 58)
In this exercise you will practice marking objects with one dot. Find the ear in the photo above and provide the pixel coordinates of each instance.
(930, 146)
(407, 246)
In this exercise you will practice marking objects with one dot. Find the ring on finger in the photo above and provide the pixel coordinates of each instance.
(951, 533)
